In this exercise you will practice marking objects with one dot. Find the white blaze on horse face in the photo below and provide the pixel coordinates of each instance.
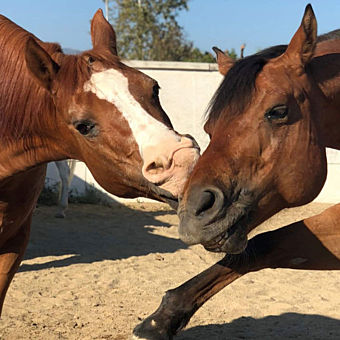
(112, 86)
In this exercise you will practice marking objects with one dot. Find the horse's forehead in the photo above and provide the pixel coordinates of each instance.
(269, 90)
(118, 86)
(273, 80)
(113, 86)
(122, 79)
(136, 77)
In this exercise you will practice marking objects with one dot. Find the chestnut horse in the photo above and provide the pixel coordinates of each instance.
(269, 122)
(89, 107)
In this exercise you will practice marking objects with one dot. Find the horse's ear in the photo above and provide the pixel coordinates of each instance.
(224, 62)
(301, 47)
(40, 64)
(102, 33)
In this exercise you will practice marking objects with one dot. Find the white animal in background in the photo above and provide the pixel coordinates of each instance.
(66, 171)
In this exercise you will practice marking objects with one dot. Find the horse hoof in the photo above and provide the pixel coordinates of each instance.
(59, 215)
(150, 330)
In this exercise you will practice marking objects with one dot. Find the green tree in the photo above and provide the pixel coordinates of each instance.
(232, 53)
(148, 30)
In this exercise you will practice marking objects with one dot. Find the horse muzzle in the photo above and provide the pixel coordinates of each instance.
(218, 223)
(169, 164)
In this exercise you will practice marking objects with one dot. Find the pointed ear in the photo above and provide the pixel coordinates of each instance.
(102, 33)
(301, 47)
(224, 61)
(40, 64)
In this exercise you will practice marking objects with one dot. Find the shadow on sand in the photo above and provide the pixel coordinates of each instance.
(92, 233)
(284, 326)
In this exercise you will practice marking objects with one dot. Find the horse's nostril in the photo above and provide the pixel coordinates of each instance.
(158, 166)
(206, 202)
(154, 168)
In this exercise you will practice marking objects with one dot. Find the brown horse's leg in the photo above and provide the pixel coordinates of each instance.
(11, 255)
(310, 244)
(179, 304)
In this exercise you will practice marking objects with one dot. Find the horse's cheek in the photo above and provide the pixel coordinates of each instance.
(306, 179)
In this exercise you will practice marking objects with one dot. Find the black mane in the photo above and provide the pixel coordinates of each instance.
(332, 35)
(237, 87)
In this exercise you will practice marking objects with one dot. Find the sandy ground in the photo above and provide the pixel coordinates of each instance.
(97, 273)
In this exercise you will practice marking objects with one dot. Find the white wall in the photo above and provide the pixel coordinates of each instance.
(330, 192)
(186, 89)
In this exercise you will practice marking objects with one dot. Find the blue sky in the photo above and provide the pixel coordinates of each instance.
(222, 23)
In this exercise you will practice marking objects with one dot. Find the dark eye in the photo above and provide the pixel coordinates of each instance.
(155, 91)
(86, 128)
(90, 60)
(277, 113)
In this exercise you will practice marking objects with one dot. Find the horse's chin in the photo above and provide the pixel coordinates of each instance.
(232, 241)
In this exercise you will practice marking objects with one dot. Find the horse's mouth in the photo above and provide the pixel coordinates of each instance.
(232, 241)
(173, 202)
(165, 196)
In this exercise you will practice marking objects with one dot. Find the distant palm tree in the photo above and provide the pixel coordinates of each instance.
(106, 9)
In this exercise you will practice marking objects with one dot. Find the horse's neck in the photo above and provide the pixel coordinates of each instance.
(326, 71)
(18, 197)
(25, 153)
(28, 123)
(29, 133)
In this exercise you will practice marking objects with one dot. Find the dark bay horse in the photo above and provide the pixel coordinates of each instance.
(269, 123)
(89, 107)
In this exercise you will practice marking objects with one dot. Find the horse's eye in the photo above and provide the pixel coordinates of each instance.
(90, 60)
(278, 113)
(155, 90)
(86, 128)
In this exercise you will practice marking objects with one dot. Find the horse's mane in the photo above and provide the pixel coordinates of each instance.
(238, 85)
(25, 106)
(17, 85)
(332, 35)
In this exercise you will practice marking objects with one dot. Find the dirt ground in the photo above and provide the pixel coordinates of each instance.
(98, 272)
